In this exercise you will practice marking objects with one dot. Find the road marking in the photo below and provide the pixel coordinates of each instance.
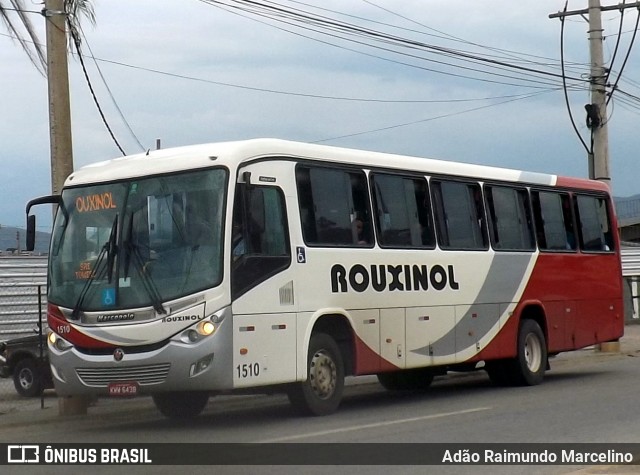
(372, 425)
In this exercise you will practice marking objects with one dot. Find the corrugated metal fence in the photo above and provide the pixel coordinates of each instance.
(631, 275)
(631, 262)
(23, 281)
(23, 284)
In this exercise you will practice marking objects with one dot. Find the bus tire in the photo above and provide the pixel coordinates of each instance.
(181, 405)
(417, 379)
(321, 393)
(528, 368)
(27, 378)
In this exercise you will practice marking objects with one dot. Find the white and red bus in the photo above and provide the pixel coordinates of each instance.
(271, 264)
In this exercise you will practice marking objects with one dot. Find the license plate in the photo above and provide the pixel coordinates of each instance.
(123, 389)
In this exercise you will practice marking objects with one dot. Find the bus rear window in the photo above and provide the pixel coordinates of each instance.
(594, 224)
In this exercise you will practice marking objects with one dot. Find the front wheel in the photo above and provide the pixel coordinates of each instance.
(181, 405)
(322, 392)
(27, 378)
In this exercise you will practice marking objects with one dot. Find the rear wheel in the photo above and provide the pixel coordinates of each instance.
(411, 379)
(322, 392)
(27, 378)
(531, 362)
(181, 405)
(528, 367)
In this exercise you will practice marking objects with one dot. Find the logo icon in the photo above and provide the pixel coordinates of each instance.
(23, 454)
(109, 297)
(301, 255)
(118, 354)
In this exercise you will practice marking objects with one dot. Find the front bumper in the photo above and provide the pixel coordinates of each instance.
(177, 366)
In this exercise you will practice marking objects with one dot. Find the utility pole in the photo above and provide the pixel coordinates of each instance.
(598, 157)
(59, 104)
(597, 113)
(60, 131)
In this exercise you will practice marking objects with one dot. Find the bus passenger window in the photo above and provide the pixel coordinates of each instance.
(403, 211)
(553, 221)
(459, 215)
(510, 224)
(334, 207)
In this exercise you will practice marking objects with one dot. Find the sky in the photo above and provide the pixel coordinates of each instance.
(193, 71)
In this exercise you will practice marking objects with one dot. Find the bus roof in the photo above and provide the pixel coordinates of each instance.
(234, 154)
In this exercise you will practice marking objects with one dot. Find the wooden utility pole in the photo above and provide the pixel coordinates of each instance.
(59, 104)
(598, 157)
(597, 113)
(60, 131)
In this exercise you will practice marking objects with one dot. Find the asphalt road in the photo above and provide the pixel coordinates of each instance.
(588, 396)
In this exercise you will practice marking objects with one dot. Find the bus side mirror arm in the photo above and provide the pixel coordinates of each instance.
(31, 219)
(246, 176)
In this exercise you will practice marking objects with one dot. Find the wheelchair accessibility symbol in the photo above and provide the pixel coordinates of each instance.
(108, 297)
(300, 255)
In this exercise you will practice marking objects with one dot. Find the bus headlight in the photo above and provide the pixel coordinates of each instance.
(206, 328)
(58, 342)
(202, 329)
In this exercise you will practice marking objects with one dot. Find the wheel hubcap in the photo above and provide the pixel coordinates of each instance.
(26, 379)
(533, 353)
(323, 374)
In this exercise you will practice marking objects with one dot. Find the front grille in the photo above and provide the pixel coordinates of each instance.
(143, 375)
(129, 349)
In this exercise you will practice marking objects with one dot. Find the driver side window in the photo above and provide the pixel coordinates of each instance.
(260, 238)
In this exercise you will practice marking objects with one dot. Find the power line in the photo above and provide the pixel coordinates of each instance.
(76, 41)
(292, 93)
(19, 10)
(113, 100)
(441, 34)
(405, 124)
(37, 55)
(615, 50)
(508, 53)
(334, 28)
(564, 87)
(299, 94)
(624, 63)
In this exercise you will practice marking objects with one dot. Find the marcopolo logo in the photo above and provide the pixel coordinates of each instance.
(116, 317)
(389, 277)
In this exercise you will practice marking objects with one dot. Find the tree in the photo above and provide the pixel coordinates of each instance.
(61, 15)
(16, 17)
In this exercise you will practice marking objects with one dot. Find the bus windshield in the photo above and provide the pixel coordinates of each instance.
(138, 243)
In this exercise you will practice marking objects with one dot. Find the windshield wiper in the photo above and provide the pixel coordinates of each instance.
(132, 249)
(112, 249)
(109, 250)
(128, 246)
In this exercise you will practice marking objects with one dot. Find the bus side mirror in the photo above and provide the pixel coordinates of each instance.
(31, 219)
(31, 232)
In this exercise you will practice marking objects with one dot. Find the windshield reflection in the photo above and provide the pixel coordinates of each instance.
(138, 243)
